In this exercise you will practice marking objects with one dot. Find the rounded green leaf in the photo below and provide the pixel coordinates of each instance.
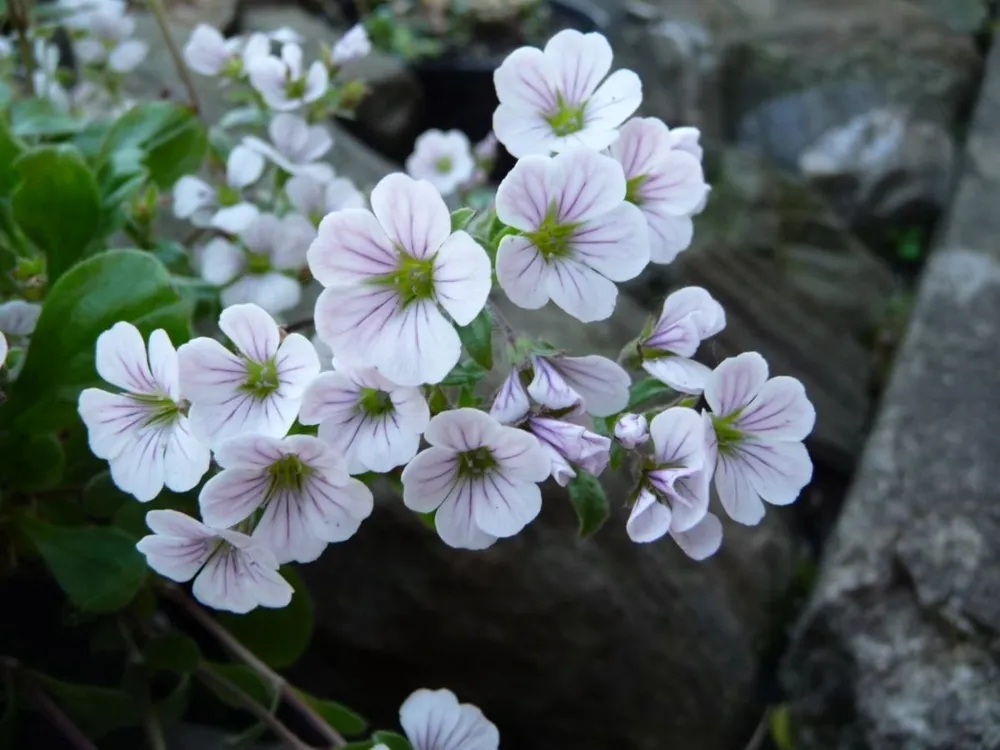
(57, 205)
(591, 504)
(277, 636)
(117, 285)
(477, 338)
(31, 462)
(337, 715)
(173, 138)
(172, 652)
(94, 709)
(99, 569)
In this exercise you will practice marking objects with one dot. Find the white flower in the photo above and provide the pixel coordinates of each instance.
(650, 520)
(79, 14)
(142, 433)
(297, 146)
(388, 273)
(231, 571)
(285, 35)
(373, 422)
(93, 101)
(46, 75)
(577, 234)
(258, 389)
(298, 483)
(511, 404)
(18, 318)
(259, 272)
(690, 315)
(599, 384)
(222, 208)
(444, 159)
(553, 100)
(435, 720)
(283, 82)
(352, 45)
(681, 469)
(109, 42)
(570, 446)
(315, 199)
(665, 182)
(759, 425)
(481, 478)
(209, 53)
(632, 430)
(4, 349)
(486, 150)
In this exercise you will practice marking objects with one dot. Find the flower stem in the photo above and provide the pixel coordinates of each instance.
(150, 722)
(242, 653)
(156, 6)
(510, 335)
(19, 12)
(282, 732)
(59, 720)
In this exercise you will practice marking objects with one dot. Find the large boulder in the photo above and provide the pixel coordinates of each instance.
(898, 647)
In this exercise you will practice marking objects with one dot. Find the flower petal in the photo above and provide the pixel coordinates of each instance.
(350, 319)
(19, 318)
(205, 51)
(511, 403)
(429, 479)
(306, 195)
(641, 143)
(139, 466)
(190, 195)
(286, 529)
(456, 524)
(255, 452)
(649, 519)
(525, 132)
(207, 369)
(615, 244)
(267, 75)
(681, 374)
(737, 495)
(297, 364)
(175, 558)
(417, 345)
(186, 459)
(232, 495)
(679, 438)
(603, 384)
(581, 291)
(335, 512)
(579, 62)
(777, 471)
(780, 411)
(524, 196)
(121, 359)
(413, 214)
(614, 101)
(252, 330)
(549, 388)
(522, 273)
(669, 235)
(519, 455)
(585, 185)
(463, 430)
(525, 79)
(351, 247)
(234, 219)
(502, 506)
(163, 363)
(462, 277)
(703, 540)
(735, 383)
(221, 262)
(676, 185)
(244, 167)
(273, 292)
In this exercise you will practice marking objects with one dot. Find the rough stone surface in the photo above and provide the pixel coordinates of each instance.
(899, 646)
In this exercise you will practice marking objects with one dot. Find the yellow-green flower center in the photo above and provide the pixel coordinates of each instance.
(552, 238)
(374, 402)
(443, 165)
(295, 89)
(476, 463)
(258, 262)
(164, 409)
(227, 196)
(287, 473)
(632, 188)
(413, 279)
(725, 433)
(567, 119)
(262, 378)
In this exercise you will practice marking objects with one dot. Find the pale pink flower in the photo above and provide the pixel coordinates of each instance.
(690, 315)
(480, 476)
(511, 404)
(759, 425)
(141, 432)
(283, 82)
(45, 76)
(263, 271)
(632, 430)
(231, 571)
(570, 446)
(374, 423)
(486, 150)
(600, 385)
(18, 317)
(257, 389)
(108, 41)
(650, 520)
(435, 720)
(577, 234)
(354, 44)
(300, 486)
(209, 53)
(389, 273)
(296, 146)
(554, 99)
(680, 473)
(4, 350)
(315, 199)
(444, 159)
(225, 207)
(665, 182)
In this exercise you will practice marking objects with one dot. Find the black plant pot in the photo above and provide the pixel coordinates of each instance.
(458, 90)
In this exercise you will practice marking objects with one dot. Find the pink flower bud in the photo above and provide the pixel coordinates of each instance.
(632, 430)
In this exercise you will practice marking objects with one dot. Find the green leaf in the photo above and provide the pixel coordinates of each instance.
(96, 710)
(646, 390)
(102, 498)
(466, 373)
(117, 285)
(277, 636)
(618, 454)
(781, 727)
(174, 139)
(477, 338)
(10, 149)
(392, 740)
(338, 716)
(31, 462)
(57, 205)
(31, 118)
(99, 569)
(172, 652)
(244, 678)
(173, 707)
(461, 217)
(589, 501)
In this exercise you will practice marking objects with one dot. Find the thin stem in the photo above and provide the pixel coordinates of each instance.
(70, 731)
(150, 722)
(20, 17)
(242, 653)
(175, 53)
(299, 325)
(501, 320)
(282, 732)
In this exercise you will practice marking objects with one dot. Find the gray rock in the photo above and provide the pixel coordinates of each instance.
(898, 648)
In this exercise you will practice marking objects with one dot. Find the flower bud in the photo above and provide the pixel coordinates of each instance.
(632, 430)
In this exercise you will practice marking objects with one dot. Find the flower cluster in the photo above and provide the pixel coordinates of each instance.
(289, 443)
